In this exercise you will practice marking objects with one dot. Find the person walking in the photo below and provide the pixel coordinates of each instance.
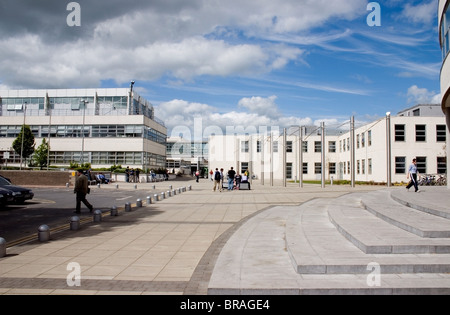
(231, 174)
(412, 176)
(82, 189)
(217, 180)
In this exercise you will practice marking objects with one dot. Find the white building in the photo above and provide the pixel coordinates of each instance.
(421, 137)
(103, 127)
(444, 40)
(186, 156)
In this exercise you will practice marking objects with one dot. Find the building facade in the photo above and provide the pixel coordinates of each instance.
(264, 155)
(444, 39)
(186, 156)
(103, 127)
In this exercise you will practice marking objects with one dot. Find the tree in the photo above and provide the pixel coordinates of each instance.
(41, 154)
(28, 142)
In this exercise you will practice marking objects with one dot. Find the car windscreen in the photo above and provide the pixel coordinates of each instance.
(4, 182)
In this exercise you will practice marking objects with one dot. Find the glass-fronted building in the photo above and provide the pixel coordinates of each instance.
(103, 127)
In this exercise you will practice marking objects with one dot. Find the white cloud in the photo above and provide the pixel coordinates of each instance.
(418, 95)
(422, 13)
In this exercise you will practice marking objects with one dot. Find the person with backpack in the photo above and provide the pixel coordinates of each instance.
(217, 180)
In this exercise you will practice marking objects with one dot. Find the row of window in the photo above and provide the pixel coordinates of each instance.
(445, 33)
(401, 166)
(289, 146)
(99, 158)
(420, 133)
(95, 131)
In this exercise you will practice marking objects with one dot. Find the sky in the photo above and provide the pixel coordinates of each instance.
(231, 63)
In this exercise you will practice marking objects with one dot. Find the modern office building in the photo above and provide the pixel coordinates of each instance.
(103, 127)
(444, 39)
(381, 150)
(186, 156)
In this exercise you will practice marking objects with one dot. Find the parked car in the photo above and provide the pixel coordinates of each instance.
(20, 194)
(6, 196)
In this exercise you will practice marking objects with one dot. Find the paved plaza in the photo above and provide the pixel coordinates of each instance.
(174, 246)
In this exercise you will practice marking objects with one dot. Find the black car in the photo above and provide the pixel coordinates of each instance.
(20, 194)
(6, 196)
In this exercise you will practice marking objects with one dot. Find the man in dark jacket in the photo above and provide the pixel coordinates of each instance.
(81, 189)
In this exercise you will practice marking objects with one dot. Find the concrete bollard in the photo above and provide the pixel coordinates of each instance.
(114, 212)
(74, 223)
(189, 187)
(43, 233)
(135, 186)
(139, 203)
(117, 186)
(2, 247)
(128, 207)
(97, 216)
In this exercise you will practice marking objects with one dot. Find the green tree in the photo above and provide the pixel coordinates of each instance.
(28, 142)
(41, 154)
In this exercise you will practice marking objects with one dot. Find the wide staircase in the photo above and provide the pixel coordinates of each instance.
(380, 242)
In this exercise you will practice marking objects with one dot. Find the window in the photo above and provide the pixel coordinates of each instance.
(442, 165)
(305, 146)
(289, 170)
(416, 112)
(441, 133)
(369, 138)
(288, 146)
(358, 167)
(400, 165)
(318, 168)
(422, 164)
(244, 146)
(244, 166)
(258, 147)
(318, 146)
(332, 168)
(332, 146)
(344, 146)
(305, 168)
(275, 147)
(357, 141)
(421, 133)
(369, 166)
(363, 140)
(399, 132)
(363, 167)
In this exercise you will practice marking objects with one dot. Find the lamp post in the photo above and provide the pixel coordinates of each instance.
(352, 150)
(23, 134)
(82, 131)
(388, 148)
(323, 154)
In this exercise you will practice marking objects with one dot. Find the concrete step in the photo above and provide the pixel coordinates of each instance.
(373, 235)
(432, 200)
(255, 260)
(315, 246)
(414, 221)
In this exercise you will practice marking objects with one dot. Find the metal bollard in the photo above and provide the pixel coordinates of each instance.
(139, 203)
(128, 207)
(163, 195)
(170, 187)
(43, 233)
(98, 185)
(149, 200)
(156, 197)
(154, 187)
(67, 185)
(135, 186)
(174, 192)
(2, 247)
(189, 187)
(97, 216)
(74, 223)
(114, 212)
(117, 186)
(169, 194)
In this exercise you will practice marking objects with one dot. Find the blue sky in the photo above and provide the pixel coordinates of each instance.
(231, 63)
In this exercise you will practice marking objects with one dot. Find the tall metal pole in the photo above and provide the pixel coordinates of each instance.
(352, 150)
(271, 159)
(323, 154)
(284, 158)
(262, 146)
(388, 148)
(23, 134)
(300, 162)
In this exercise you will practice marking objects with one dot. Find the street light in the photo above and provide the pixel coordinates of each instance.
(388, 147)
(82, 131)
(23, 134)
